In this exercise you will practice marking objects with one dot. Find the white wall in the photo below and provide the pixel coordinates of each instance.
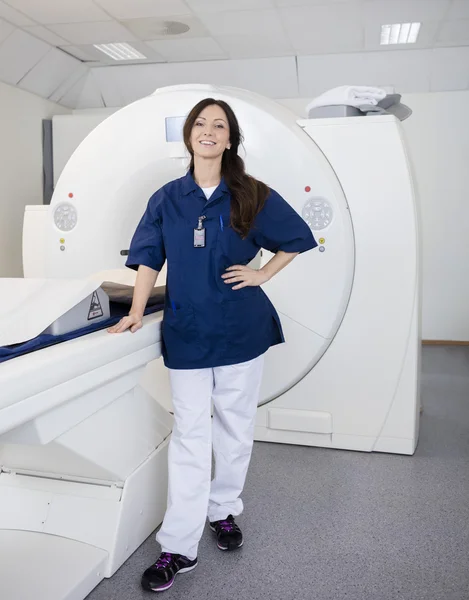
(21, 115)
(437, 135)
(438, 139)
(416, 70)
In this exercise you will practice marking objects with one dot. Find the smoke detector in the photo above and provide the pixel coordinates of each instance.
(171, 28)
(160, 29)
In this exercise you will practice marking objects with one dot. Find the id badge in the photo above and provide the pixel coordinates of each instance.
(199, 238)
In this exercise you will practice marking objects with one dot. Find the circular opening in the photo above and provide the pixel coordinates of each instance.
(173, 28)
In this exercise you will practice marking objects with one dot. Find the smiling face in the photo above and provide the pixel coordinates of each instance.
(210, 135)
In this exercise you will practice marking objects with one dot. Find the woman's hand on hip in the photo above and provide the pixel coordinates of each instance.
(244, 276)
(132, 322)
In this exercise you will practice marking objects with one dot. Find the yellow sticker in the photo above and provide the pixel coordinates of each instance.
(321, 240)
(62, 240)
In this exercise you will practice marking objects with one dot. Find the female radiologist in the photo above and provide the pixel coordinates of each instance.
(217, 326)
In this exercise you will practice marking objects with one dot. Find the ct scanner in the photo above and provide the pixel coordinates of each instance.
(85, 424)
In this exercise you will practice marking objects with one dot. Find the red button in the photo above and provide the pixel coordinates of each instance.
(70, 195)
(307, 188)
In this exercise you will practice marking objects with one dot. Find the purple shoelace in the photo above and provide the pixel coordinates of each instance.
(164, 560)
(226, 526)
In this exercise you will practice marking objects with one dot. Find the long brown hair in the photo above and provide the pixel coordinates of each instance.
(248, 195)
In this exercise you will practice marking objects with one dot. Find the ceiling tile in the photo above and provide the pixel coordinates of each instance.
(121, 86)
(188, 49)
(6, 29)
(136, 9)
(272, 77)
(459, 10)
(71, 97)
(49, 73)
(426, 38)
(317, 74)
(79, 52)
(403, 70)
(404, 11)
(256, 46)
(14, 16)
(93, 33)
(154, 28)
(80, 73)
(454, 33)
(406, 71)
(46, 35)
(60, 11)
(90, 95)
(18, 54)
(321, 29)
(215, 6)
(249, 22)
(449, 69)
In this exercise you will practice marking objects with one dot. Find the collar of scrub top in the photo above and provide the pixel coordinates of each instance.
(189, 185)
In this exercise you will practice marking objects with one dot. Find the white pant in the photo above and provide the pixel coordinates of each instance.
(191, 496)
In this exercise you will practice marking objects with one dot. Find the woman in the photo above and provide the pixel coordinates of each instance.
(217, 326)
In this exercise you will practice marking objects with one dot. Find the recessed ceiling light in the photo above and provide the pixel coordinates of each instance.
(400, 33)
(120, 51)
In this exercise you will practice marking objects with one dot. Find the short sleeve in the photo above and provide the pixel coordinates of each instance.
(279, 227)
(147, 246)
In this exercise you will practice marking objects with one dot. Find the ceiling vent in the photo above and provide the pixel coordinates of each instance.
(171, 28)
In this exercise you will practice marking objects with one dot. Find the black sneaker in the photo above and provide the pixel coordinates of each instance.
(229, 536)
(160, 576)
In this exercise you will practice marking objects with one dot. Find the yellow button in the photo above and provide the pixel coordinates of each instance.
(62, 240)
(321, 240)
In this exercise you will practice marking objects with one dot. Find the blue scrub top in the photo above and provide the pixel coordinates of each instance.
(206, 323)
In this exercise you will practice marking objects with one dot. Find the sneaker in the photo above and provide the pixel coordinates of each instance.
(229, 536)
(160, 576)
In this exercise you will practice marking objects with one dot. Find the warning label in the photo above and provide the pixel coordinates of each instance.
(95, 307)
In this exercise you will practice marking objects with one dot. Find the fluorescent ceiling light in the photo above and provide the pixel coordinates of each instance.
(120, 51)
(400, 33)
